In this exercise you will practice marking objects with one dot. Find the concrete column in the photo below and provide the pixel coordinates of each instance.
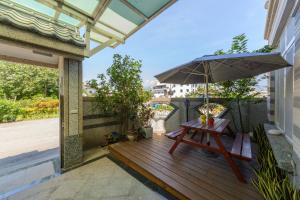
(70, 112)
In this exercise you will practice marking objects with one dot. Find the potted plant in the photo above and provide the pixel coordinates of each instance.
(145, 115)
(131, 135)
(114, 137)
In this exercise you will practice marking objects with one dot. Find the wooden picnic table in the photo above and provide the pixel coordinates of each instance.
(241, 147)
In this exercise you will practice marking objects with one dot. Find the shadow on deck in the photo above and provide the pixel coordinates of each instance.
(188, 173)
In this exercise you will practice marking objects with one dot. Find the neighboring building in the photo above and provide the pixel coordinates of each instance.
(87, 91)
(282, 31)
(173, 90)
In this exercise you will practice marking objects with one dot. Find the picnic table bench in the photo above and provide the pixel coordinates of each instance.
(241, 148)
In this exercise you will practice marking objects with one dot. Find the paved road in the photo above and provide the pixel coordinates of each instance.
(29, 153)
(28, 136)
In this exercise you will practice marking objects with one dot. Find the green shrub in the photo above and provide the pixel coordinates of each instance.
(39, 108)
(271, 182)
(9, 110)
(163, 107)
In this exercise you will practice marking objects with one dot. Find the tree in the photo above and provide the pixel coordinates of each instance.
(242, 89)
(200, 91)
(122, 93)
(18, 81)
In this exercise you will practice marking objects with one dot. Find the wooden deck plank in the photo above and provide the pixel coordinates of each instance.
(196, 154)
(198, 176)
(187, 174)
(156, 177)
(206, 164)
(184, 190)
(203, 164)
(198, 192)
(205, 187)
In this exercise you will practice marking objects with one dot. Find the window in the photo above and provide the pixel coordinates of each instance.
(187, 90)
(181, 90)
(284, 84)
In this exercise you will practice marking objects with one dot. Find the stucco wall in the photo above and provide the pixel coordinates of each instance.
(96, 125)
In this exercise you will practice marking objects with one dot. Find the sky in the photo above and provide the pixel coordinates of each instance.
(185, 31)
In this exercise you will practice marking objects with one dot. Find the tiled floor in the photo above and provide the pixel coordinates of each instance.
(102, 179)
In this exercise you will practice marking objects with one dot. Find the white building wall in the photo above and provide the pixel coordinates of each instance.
(182, 90)
(177, 90)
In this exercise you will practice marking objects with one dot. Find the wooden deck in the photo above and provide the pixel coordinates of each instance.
(188, 173)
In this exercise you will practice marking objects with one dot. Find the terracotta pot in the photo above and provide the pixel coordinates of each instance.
(210, 122)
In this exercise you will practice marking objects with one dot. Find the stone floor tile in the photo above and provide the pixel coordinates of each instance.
(101, 179)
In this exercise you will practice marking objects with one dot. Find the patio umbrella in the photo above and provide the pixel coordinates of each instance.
(218, 68)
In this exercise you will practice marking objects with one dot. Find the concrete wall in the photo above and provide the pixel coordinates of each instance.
(96, 125)
(253, 114)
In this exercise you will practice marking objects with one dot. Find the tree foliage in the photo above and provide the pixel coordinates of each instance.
(19, 81)
(242, 89)
(122, 92)
(200, 91)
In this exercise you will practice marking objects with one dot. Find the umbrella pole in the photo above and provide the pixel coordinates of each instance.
(207, 100)
(207, 107)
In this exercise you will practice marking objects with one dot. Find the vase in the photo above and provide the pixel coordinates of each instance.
(210, 122)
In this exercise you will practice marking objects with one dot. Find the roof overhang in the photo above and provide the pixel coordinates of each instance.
(108, 23)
